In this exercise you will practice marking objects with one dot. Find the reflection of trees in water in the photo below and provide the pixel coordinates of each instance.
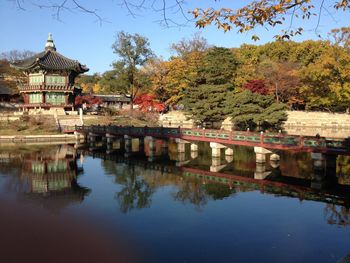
(191, 191)
(343, 169)
(135, 193)
(294, 164)
(219, 191)
(337, 215)
(244, 158)
(138, 185)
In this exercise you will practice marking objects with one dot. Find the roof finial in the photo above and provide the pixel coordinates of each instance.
(49, 43)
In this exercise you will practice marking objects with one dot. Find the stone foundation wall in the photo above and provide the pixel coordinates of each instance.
(175, 119)
(325, 124)
(318, 119)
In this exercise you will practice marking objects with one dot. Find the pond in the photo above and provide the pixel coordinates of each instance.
(69, 203)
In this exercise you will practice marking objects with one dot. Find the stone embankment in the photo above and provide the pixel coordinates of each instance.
(64, 138)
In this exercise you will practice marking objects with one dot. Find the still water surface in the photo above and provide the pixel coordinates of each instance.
(60, 204)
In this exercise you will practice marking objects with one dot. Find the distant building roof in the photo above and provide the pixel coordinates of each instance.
(113, 98)
(49, 59)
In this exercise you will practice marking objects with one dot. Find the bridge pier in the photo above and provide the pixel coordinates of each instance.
(216, 165)
(78, 136)
(194, 155)
(92, 137)
(127, 143)
(324, 169)
(181, 159)
(260, 154)
(181, 145)
(110, 138)
(152, 147)
(228, 158)
(216, 149)
(229, 151)
(260, 171)
(194, 147)
(319, 171)
(109, 149)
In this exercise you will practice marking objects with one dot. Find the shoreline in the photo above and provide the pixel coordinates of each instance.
(57, 138)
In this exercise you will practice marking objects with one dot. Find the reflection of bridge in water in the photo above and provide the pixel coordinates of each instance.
(321, 189)
(324, 151)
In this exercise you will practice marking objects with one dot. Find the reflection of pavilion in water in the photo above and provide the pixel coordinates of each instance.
(49, 176)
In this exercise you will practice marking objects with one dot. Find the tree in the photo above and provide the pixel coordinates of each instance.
(219, 66)
(171, 78)
(205, 99)
(88, 100)
(206, 103)
(115, 80)
(248, 109)
(10, 77)
(341, 36)
(133, 51)
(89, 83)
(257, 86)
(188, 46)
(14, 55)
(284, 80)
(149, 102)
(326, 82)
(266, 13)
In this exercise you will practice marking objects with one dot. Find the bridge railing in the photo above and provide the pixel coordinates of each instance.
(253, 138)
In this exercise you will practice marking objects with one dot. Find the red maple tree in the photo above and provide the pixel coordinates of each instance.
(89, 100)
(257, 86)
(148, 102)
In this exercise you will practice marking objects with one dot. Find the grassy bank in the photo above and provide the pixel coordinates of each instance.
(124, 118)
(45, 125)
(29, 125)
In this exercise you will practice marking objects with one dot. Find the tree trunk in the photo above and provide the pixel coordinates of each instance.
(277, 98)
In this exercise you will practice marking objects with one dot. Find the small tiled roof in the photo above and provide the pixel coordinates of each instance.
(113, 98)
(50, 60)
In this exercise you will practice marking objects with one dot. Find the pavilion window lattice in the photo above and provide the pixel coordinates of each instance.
(35, 98)
(36, 79)
(55, 98)
(55, 80)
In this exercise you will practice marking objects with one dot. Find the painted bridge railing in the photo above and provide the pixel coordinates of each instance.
(269, 140)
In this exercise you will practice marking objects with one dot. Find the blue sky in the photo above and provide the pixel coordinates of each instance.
(79, 36)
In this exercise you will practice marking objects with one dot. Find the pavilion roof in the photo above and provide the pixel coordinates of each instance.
(50, 59)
